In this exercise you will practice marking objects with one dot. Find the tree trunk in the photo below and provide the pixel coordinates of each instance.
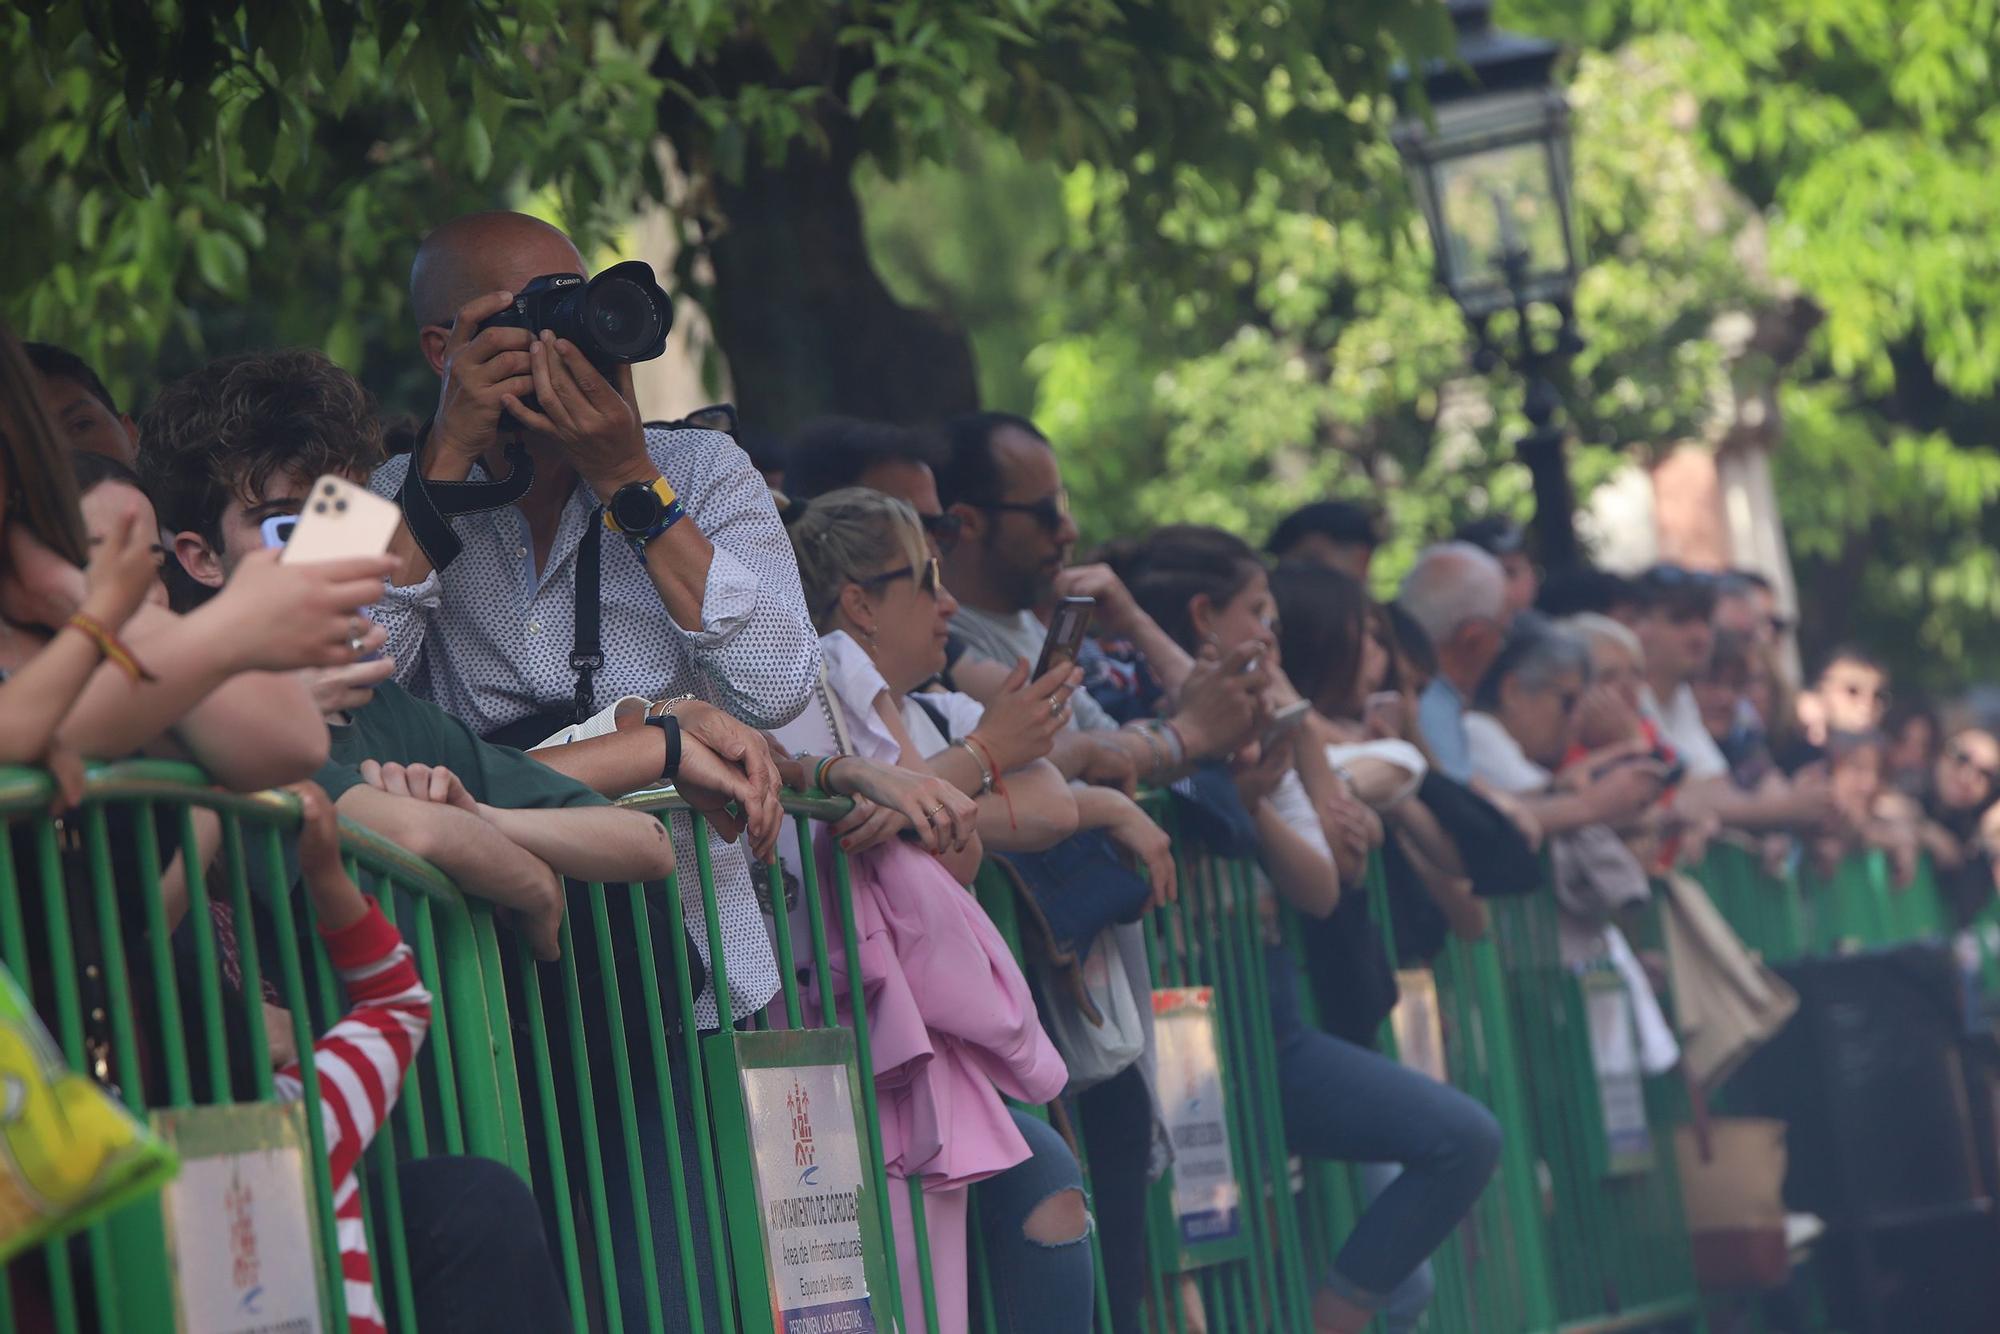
(802, 316)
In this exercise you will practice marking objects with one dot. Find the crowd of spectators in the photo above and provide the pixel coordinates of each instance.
(479, 694)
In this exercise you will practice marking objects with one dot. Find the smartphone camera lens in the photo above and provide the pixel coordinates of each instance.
(320, 506)
(339, 505)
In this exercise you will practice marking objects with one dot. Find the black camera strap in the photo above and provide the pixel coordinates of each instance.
(429, 507)
(586, 650)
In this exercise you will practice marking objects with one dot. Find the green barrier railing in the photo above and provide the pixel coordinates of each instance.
(83, 927)
(575, 1073)
(1860, 906)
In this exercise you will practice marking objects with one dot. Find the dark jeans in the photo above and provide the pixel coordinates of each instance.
(1349, 1104)
(478, 1260)
(1117, 1122)
(1038, 1287)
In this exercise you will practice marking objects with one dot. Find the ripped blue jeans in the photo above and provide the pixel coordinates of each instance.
(1038, 1287)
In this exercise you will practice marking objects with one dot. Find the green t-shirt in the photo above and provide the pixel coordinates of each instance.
(398, 728)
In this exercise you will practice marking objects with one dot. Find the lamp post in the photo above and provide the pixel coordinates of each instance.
(1490, 169)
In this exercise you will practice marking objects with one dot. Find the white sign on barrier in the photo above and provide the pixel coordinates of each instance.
(1206, 1197)
(809, 1187)
(1614, 1050)
(240, 1223)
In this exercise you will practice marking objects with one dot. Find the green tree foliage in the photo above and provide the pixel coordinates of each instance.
(1316, 357)
(191, 175)
(1727, 157)
(1867, 137)
(191, 178)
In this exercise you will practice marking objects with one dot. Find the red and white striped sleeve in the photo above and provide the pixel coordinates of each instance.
(361, 1062)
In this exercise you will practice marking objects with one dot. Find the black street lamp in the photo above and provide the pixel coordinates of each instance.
(1490, 169)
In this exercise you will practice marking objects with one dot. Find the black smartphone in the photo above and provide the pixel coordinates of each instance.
(1066, 631)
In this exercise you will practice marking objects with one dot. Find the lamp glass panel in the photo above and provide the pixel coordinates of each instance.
(1495, 201)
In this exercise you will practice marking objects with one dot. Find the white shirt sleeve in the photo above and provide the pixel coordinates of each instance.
(1295, 808)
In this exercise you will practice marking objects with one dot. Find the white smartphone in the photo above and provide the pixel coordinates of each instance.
(1283, 723)
(338, 520)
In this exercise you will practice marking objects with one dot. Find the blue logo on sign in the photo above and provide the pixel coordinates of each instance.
(808, 1177)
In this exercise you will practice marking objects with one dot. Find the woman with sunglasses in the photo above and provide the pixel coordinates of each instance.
(875, 594)
(1965, 785)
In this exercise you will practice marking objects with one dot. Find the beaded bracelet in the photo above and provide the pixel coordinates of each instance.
(110, 646)
(822, 769)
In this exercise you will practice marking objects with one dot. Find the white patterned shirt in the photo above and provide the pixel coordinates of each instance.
(489, 642)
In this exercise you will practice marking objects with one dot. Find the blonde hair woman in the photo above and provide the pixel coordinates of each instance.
(874, 590)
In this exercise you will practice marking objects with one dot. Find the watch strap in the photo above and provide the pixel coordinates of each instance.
(670, 727)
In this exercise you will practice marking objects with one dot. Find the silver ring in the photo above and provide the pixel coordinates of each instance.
(354, 645)
(1056, 707)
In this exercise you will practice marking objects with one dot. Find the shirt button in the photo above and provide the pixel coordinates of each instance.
(520, 553)
(534, 626)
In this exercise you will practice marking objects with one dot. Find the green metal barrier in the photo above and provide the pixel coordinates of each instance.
(1862, 907)
(1766, 910)
(572, 1075)
(83, 927)
(1212, 937)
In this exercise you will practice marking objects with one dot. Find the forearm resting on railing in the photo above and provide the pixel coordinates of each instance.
(1301, 871)
(477, 857)
(1038, 811)
(248, 729)
(1438, 864)
(590, 842)
(1777, 806)
(613, 764)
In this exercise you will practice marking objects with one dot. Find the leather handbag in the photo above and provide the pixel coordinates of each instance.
(1732, 1171)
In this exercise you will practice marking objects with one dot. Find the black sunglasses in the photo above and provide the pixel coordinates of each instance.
(926, 575)
(944, 529)
(1049, 511)
(1965, 757)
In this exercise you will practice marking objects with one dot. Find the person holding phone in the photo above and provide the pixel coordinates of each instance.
(883, 609)
(1340, 1100)
(214, 686)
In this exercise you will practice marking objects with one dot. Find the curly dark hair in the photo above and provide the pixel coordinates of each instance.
(223, 432)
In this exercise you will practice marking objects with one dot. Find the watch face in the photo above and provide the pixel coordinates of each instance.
(636, 508)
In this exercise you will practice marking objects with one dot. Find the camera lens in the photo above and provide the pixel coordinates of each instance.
(621, 319)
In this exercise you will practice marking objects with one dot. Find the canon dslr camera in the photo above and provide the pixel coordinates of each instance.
(621, 315)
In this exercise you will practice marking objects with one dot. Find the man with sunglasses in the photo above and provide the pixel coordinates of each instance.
(1010, 561)
(834, 452)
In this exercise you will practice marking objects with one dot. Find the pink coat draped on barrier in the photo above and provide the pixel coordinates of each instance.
(951, 1025)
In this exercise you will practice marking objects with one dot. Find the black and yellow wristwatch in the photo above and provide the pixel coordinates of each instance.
(641, 511)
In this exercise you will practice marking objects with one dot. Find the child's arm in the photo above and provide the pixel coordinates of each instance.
(362, 1059)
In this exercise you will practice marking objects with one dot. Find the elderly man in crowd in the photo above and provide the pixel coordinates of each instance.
(1457, 594)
